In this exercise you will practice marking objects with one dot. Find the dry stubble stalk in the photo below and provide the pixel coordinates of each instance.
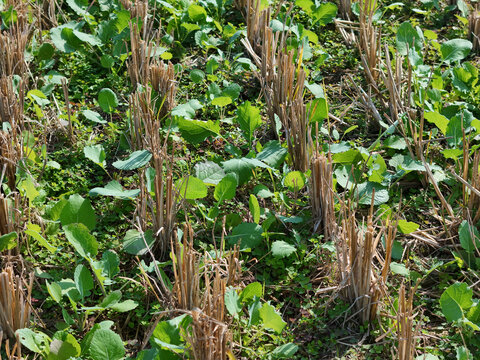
(369, 40)
(406, 331)
(356, 249)
(14, 303)
(148, 112)
(210, 336)
(474, 28)
(322, 195)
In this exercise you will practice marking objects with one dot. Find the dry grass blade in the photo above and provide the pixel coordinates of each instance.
(14, 303)
(137, 8)
(406, 331)
(356, 249)
(322, 195)
(474, 28)
(209, 336)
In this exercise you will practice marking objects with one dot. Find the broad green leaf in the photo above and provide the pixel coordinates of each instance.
(438, 119)
(209, 172)
(45, 52)
(192, 188)
(78, 210)
(197, 75)
(81, 239)
(365, 190)
(222, 101)
(88, 38)
(8, 241)
(137, 244)
(136, 160)
(109, 264)
(317, 110)
(113, 188)
(455, 50)
(306, 5)
(250, 291)
(33, 341)
(196, 131)
(34, 231)
(454, 300)
(106, 345)
(187, 110)
(111, 299)
(463, 353)
(409, 37)
(324, 14)
(226, 188)
(295, 180)
(249, 119)
(167, 334)
(254, 208)
(399, 269)
(93, 116)
(29, 189)
(197, 13)
(282, 249)
(83, 280)
(55, 291)
(124, 306)
(96, 153)
(107, 100)
(468, 234)
(63, 347)
(232, 302)
(254, 311)
(64, 39)
(79, 6)
(249, 235)
(407, 227)
(395, 142)
(285, 351)
(243, 168)
(107, 61)
(271, 318)
(273, 154)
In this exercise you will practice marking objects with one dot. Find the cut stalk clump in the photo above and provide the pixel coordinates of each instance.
(322, 195)
(406, 330)
(14, 303)
(209, 335)
(360, 283)
(474, 28)
(369, 36)
(149, 105)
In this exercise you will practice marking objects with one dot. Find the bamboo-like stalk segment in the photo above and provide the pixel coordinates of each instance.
(356, 249)
(474, 28)
(210, 336)
(149, 105)
(14, 303)
(322, 195)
